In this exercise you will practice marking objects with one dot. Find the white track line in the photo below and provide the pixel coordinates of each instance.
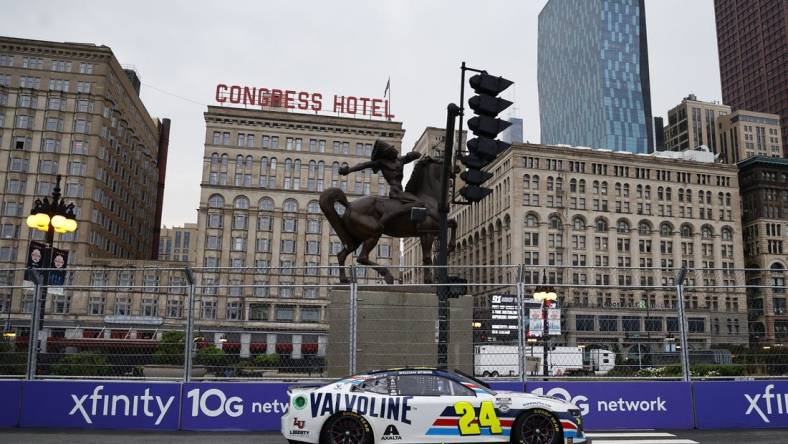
(629, 435)
(645, 441)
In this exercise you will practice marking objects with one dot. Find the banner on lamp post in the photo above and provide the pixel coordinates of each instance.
(535, 322)
(554, 321)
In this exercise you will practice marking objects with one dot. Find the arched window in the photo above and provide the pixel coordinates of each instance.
(604, 188)
(241, 203)
(618, 189)
(581, 186)
(559, 184)
(686, 230)
(313, 207)
(335, 170)
(526, 182)
(297, 168)
(288, 166)
(660, 193)
(601, 225)
(668, 194)
(273, 165)
(644, 228)
(239, 162)
(727, 234)
(706, 232)
(622, 227)
(535, 182)
(215, 201)
(249, 162)
(290, 206)
(321, 169)
(549, 183)
(681, 194)
(555, 222)
(578, 223)
(595, 187)
(647, 192)
(531, 220)
(225, 161)
(266, 204)
(626, 190)
(264, 165)
(708, 197)
(215, 162)
(665, 229)
(573, 185)
(311, 169)
(639, 191)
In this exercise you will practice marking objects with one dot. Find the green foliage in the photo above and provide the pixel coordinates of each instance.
(82, 364)
(271, 360)
(211, 357)
(12, 361)
(170, 349)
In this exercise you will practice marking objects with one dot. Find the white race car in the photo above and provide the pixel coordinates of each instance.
(425, 406)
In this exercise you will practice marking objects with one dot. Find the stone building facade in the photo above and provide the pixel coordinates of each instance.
(764, 194)
(610, 225)
(70, 109)
(179, 244)
(263, 244)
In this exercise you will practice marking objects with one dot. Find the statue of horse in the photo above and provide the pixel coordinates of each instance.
(359, 222)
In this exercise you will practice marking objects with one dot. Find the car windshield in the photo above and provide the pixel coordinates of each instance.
(464, 377)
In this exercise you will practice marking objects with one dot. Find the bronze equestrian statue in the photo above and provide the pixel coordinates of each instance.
(364, 220)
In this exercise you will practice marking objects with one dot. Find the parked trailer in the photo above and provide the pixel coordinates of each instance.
(501, 360)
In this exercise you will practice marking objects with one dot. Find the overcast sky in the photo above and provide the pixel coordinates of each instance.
(182, 49)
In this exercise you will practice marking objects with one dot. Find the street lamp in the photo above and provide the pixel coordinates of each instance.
(547, 295)
(51, 217)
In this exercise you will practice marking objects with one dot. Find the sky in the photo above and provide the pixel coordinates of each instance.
(183, 49)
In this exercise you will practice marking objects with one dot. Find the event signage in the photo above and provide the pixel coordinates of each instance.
(741, 404)
(624, 405)
(101, 405)
(503, 316)
(303, 100)
(233, 406)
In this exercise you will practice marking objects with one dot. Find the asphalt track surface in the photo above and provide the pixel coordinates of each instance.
(57, 436)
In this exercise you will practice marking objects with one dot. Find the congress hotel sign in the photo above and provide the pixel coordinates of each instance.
(302, 100)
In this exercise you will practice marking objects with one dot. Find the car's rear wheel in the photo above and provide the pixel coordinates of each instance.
(537, 427)
(346, 428)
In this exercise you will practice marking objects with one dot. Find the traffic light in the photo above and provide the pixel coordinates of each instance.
(484, 148)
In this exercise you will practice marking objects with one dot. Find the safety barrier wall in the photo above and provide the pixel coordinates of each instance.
(258, 406)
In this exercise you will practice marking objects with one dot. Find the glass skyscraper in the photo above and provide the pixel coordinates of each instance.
(593, 75)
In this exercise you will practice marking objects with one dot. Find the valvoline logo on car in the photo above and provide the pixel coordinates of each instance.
(393, 408)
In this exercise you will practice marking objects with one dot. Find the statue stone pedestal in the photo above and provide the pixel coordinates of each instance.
(397, 328)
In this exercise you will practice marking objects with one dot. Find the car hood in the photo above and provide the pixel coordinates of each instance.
(520, 400)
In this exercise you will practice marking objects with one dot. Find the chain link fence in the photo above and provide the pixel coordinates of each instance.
(300, 322)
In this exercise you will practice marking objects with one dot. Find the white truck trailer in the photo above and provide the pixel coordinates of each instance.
(501, 360)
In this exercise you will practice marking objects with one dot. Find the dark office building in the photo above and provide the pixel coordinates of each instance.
(752, 41)
(593, 75)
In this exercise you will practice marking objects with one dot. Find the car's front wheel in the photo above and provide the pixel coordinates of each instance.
(346, 428)
(537, 426)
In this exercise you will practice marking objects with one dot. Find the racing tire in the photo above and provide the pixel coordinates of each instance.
(537, 426)
(346, 428)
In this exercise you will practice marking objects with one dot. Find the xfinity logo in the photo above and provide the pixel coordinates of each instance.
(96, 404)
(767, 396)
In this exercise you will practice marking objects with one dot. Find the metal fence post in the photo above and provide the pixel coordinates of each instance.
(188, 342)
(32, 347)
(685, 364)
(353, 322)
(521, 324)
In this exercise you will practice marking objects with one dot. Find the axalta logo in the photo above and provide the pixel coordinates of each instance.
(391, 434)
(772, 402)
(96, 404)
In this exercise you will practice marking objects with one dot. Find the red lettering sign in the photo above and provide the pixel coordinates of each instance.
(301, 100)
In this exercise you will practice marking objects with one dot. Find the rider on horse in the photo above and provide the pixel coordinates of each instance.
(386, 159)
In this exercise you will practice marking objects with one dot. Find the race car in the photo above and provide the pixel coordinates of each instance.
(425, 406)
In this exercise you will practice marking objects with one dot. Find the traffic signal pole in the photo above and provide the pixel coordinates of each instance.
(452, 111)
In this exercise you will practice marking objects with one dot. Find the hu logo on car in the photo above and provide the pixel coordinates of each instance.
(391, 434)
(297, 423)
